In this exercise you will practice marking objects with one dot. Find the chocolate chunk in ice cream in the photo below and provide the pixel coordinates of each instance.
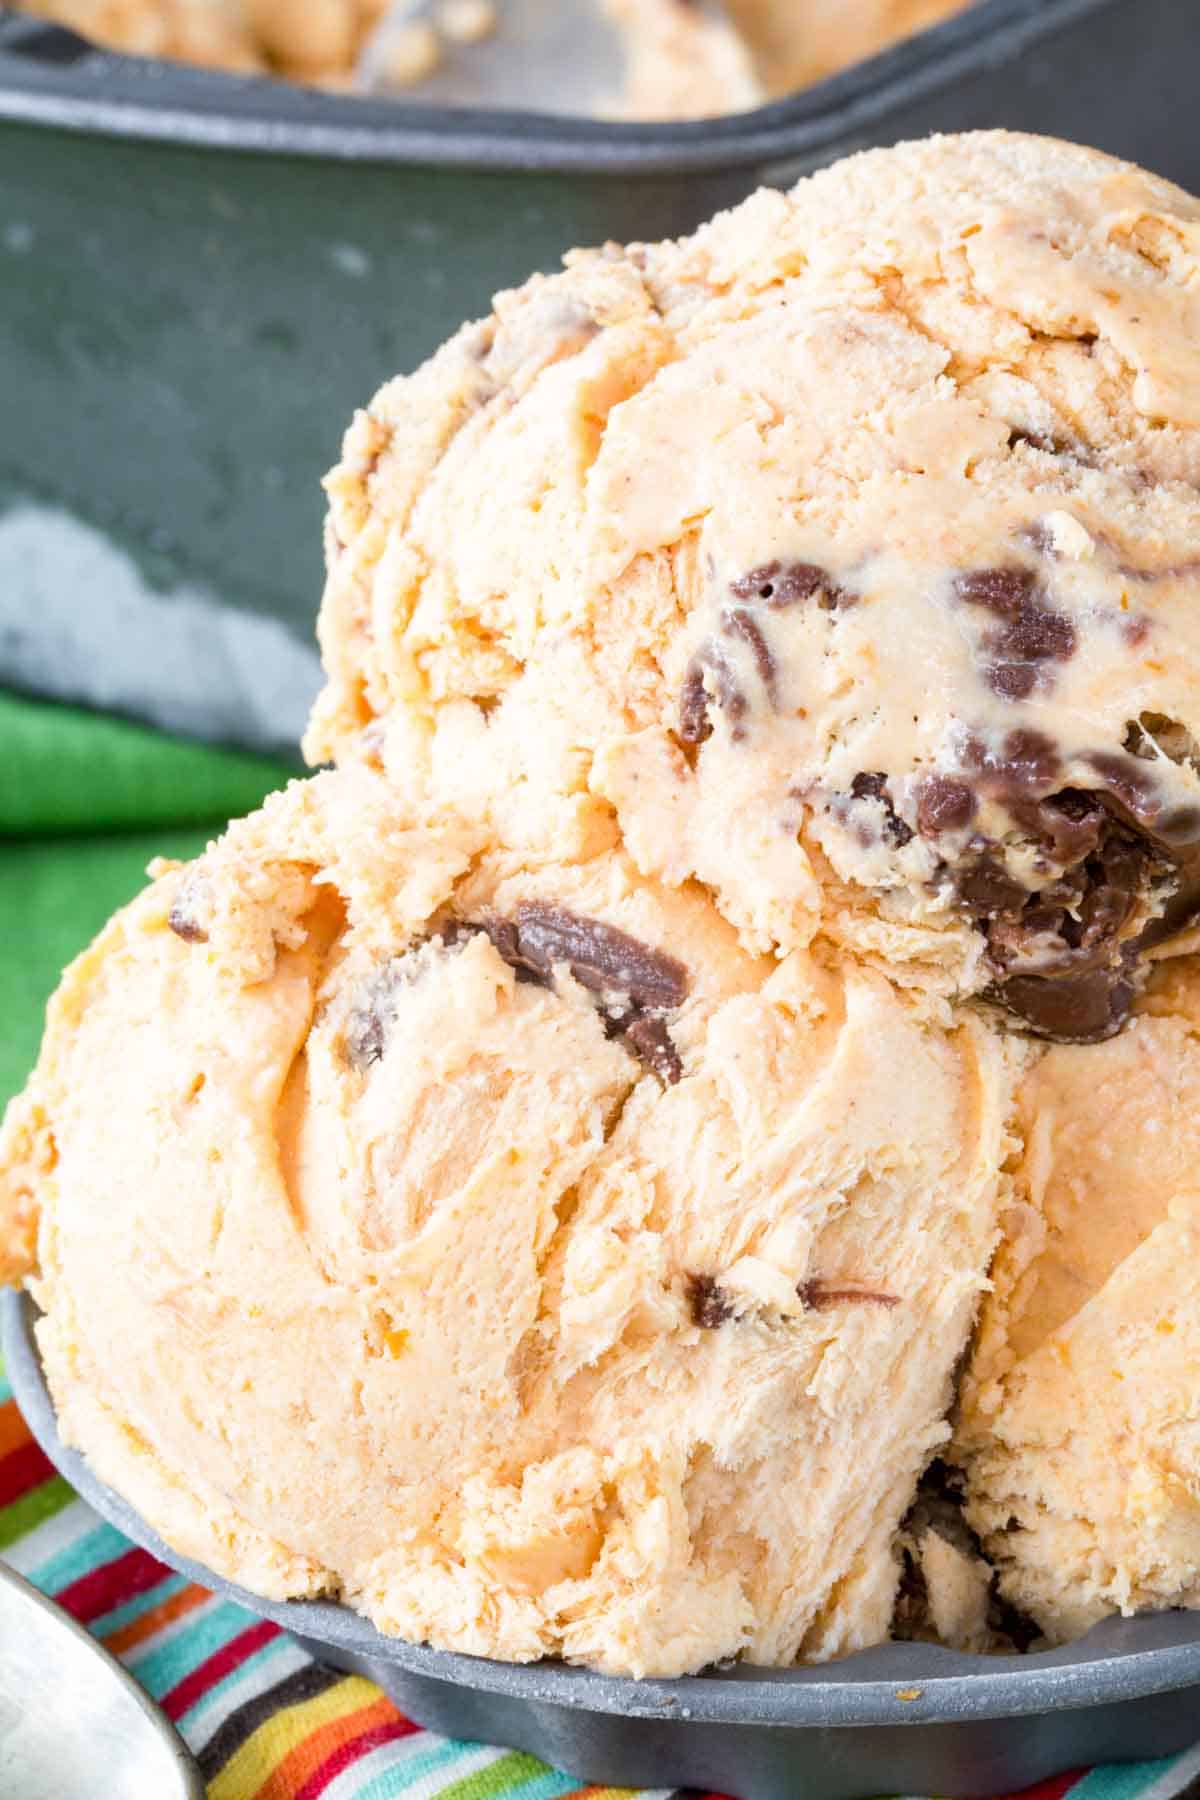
(373, 1011)
(948, 1592)
(822, 1296)
(874, 786)
(710, 669)
(944, 804)
(695, 726)
(1030, 635)
(1079, 880)
(712, 674)
(739, 622)
(779, 585)
(649, 1037)
(599, 956)
(1066, 954)
(189, 908)
(642, 983)
(185, 926)
(710, 1306)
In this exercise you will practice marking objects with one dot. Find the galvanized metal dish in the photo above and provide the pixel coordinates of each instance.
(901, 1718)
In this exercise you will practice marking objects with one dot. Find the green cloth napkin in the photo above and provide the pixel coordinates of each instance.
(85, 802)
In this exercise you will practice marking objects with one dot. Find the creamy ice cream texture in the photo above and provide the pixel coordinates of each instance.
(840, 558)
(540, 1179)
(1079, 1426)
(459, 1246)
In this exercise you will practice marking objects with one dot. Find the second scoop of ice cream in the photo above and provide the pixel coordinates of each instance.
(840, 557)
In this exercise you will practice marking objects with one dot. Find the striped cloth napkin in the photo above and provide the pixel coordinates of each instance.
(84, 803)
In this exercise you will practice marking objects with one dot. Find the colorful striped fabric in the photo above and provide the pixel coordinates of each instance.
(264, 1720)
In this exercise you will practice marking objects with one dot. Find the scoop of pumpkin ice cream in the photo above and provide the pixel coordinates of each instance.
(1080, 1425)
(502, 1246)
(840, 557)
(214, 33)
(797, 42)
(681, 61)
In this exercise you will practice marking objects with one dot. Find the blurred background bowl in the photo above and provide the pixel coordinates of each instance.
(201, 275)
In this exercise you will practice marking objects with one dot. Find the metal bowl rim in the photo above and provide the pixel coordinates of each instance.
(141, 98)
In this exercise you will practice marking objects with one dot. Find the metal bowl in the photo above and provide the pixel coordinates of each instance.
(202, 274)
(68, 1708)
(901, 1718)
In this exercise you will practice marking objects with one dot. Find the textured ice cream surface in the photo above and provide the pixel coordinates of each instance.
(946, 1593)
(840, 557)
(1080, 1420)
(500, 1245)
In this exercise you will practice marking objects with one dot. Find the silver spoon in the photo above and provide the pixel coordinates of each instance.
(560, 56)
(73, 1724)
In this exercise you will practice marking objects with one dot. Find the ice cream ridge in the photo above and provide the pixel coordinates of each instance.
(681, 1143)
